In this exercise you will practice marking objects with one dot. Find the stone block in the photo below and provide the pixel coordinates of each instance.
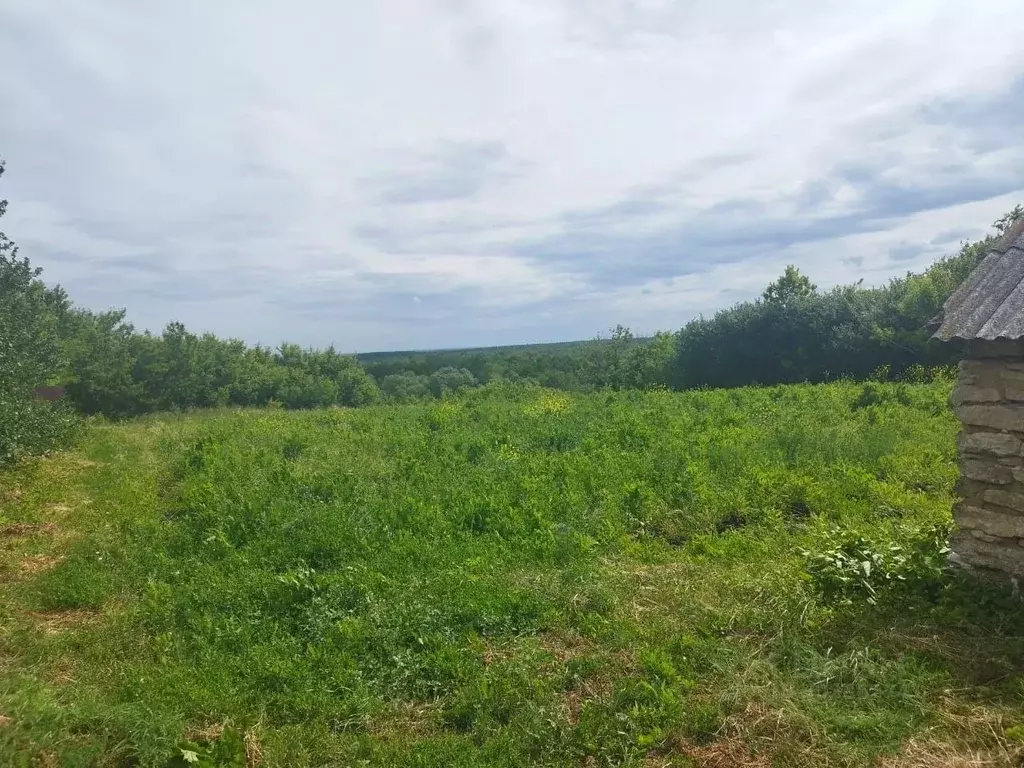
(998, 443)
(969, 367)
(1002, 555)
(974, 394)
(972, 489)
(981, 374)
(985, 521)
(986, 471)
(1012, 383)
(982, 536)
(1003, 416)
(1005, 499)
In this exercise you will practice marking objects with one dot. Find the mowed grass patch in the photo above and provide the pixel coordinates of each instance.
(515, 577)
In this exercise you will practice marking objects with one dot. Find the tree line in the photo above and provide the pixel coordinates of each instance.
(792, 333)
(621, 360)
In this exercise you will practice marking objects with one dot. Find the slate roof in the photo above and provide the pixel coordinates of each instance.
(990, 302)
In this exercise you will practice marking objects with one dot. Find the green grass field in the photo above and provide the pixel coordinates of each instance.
(518, 577)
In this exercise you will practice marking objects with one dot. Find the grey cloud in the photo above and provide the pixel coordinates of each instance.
(883, 200)
(51, 255)
(739, 230)
(987, 123)
(456, 171)
(605, 247)
(477, 42)
(955, 236)
(474, 34)
(400, 236)
(744, 228)
(391, 299)
(162, 178)
(906, 251)
(395, 235)
(617, 212)
(185, 292)
(152, 266)
(715, 162)
(134, 234)
(620, 24)
(138, 282)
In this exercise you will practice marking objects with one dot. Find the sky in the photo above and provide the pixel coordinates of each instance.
(404, 174)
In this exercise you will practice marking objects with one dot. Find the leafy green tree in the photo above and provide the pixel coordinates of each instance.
(355, 386)
(302, 389)
(451, 379)
(99, 358)
(794, 333)
(30, 316)
(403, 387)
(790, 287)
(647, 364)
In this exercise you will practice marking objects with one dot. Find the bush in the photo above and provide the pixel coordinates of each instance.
(30, 428)
(402, 387)
(880, 394)
(852, 568)
(448, 380)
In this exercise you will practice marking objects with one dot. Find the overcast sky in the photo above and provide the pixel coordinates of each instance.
(434, 173)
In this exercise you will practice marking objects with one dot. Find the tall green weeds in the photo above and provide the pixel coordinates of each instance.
(516, 576)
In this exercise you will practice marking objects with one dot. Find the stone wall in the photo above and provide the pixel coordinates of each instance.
(989, 401)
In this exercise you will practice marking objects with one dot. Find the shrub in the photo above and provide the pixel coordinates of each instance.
(851, 567)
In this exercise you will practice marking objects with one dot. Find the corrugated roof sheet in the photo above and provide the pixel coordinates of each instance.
(990, 302)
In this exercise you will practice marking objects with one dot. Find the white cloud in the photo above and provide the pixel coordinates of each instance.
(326, 161)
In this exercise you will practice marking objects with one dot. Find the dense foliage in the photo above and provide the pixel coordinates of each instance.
(29, 356)
(115, 371)
(511, 577)
(618, 361)
(795, 333)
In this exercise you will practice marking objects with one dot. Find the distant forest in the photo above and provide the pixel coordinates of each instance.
(792, 333)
